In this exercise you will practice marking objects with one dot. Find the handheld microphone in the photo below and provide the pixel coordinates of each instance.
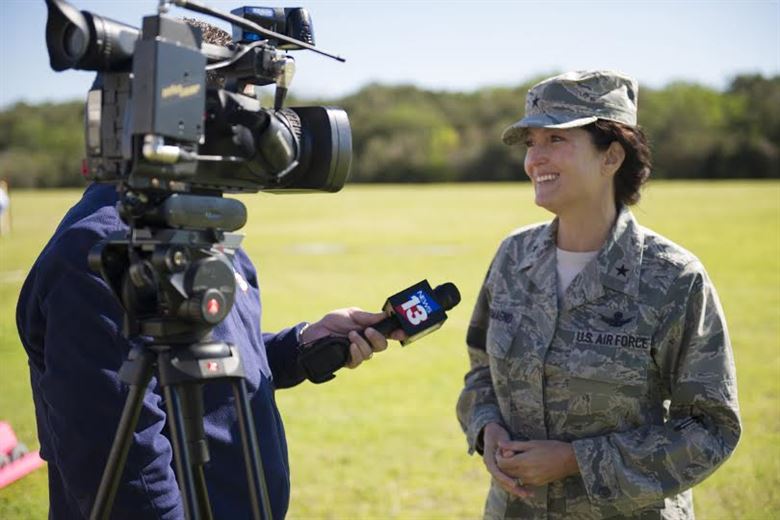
(417, 310)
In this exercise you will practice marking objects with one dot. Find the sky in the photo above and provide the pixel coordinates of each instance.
(453, 45)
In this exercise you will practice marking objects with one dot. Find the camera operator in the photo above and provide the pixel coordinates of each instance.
(70, 323)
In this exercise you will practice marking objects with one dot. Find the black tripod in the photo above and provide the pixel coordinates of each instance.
(176, 285)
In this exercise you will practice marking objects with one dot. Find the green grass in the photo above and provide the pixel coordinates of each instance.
(382, 441)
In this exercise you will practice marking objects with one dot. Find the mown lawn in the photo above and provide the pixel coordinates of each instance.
(383, 441)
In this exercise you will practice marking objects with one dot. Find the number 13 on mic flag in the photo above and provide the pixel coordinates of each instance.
(417, 310)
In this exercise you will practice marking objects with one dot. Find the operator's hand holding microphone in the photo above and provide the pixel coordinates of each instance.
(333, 342)
(346, 323)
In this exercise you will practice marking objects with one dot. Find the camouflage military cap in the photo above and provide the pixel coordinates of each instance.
(576, 99)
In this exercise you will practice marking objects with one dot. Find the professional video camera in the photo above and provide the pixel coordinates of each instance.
(154, 121)
(176, 123)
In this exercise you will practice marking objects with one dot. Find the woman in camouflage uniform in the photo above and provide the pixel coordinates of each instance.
(602, 380)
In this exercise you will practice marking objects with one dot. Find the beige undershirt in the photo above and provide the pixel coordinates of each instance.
(569, 265)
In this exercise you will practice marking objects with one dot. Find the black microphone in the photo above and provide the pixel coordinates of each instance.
(417, 310)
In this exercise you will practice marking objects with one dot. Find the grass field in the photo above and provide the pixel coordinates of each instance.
(382, 441)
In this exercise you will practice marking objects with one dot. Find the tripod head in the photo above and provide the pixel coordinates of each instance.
(172, 269)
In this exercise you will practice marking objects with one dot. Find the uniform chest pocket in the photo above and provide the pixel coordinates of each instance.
(607, 384)
(501, 329)
(609, 364)
(499, 339)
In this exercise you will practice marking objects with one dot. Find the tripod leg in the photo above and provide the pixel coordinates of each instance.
(202, 492)
(181, 454)
(140, 364)
(191, 395)
(254, 465)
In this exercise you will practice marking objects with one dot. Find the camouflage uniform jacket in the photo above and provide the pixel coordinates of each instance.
(633, 367)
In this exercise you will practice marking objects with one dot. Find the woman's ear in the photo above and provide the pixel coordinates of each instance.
(613, 158)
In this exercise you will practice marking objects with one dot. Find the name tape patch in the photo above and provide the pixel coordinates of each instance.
(502, 316)
(612, 339)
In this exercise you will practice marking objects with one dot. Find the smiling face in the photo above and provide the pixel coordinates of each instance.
(571, 177)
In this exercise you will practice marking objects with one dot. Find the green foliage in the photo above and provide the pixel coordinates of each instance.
(407, 134)
(382, 441)
(697, 132)
(404, 136)
(42, 146)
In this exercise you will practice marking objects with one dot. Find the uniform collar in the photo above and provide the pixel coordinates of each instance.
(540, 261)
(616, 266)
(620, 258)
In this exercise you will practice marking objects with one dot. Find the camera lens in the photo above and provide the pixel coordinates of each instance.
(75, 42)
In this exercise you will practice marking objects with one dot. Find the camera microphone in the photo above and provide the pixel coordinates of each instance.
(417, 310)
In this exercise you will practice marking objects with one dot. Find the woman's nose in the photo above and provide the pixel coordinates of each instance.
(534, 157)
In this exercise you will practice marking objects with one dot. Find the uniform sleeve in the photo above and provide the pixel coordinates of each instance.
(477, 404)
(636, 468)
(80, 398)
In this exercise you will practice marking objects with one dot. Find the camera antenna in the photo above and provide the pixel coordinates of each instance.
(246, 24)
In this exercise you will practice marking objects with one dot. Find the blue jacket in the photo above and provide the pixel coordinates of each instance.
(70, 324)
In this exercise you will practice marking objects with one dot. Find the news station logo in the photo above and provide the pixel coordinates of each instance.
(417, 308)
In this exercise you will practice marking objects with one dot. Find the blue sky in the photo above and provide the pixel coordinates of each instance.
(455, 45)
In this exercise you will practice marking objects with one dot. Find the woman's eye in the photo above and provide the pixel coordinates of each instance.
(528, 143)
(556, 138)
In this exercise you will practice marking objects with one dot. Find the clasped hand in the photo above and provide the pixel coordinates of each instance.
(518, 465)
(347, 322)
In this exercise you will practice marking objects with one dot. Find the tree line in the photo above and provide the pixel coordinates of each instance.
(409, 134)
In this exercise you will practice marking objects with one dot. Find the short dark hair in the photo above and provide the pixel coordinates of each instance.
(635, 170)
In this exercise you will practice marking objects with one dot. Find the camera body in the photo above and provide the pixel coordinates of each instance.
(176, 123)
(171, 113)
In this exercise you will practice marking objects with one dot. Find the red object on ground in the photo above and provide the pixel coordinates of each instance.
(15, 460)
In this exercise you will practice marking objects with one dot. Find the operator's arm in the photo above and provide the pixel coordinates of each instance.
(70, 322)
(632, 469)
(282, 348)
